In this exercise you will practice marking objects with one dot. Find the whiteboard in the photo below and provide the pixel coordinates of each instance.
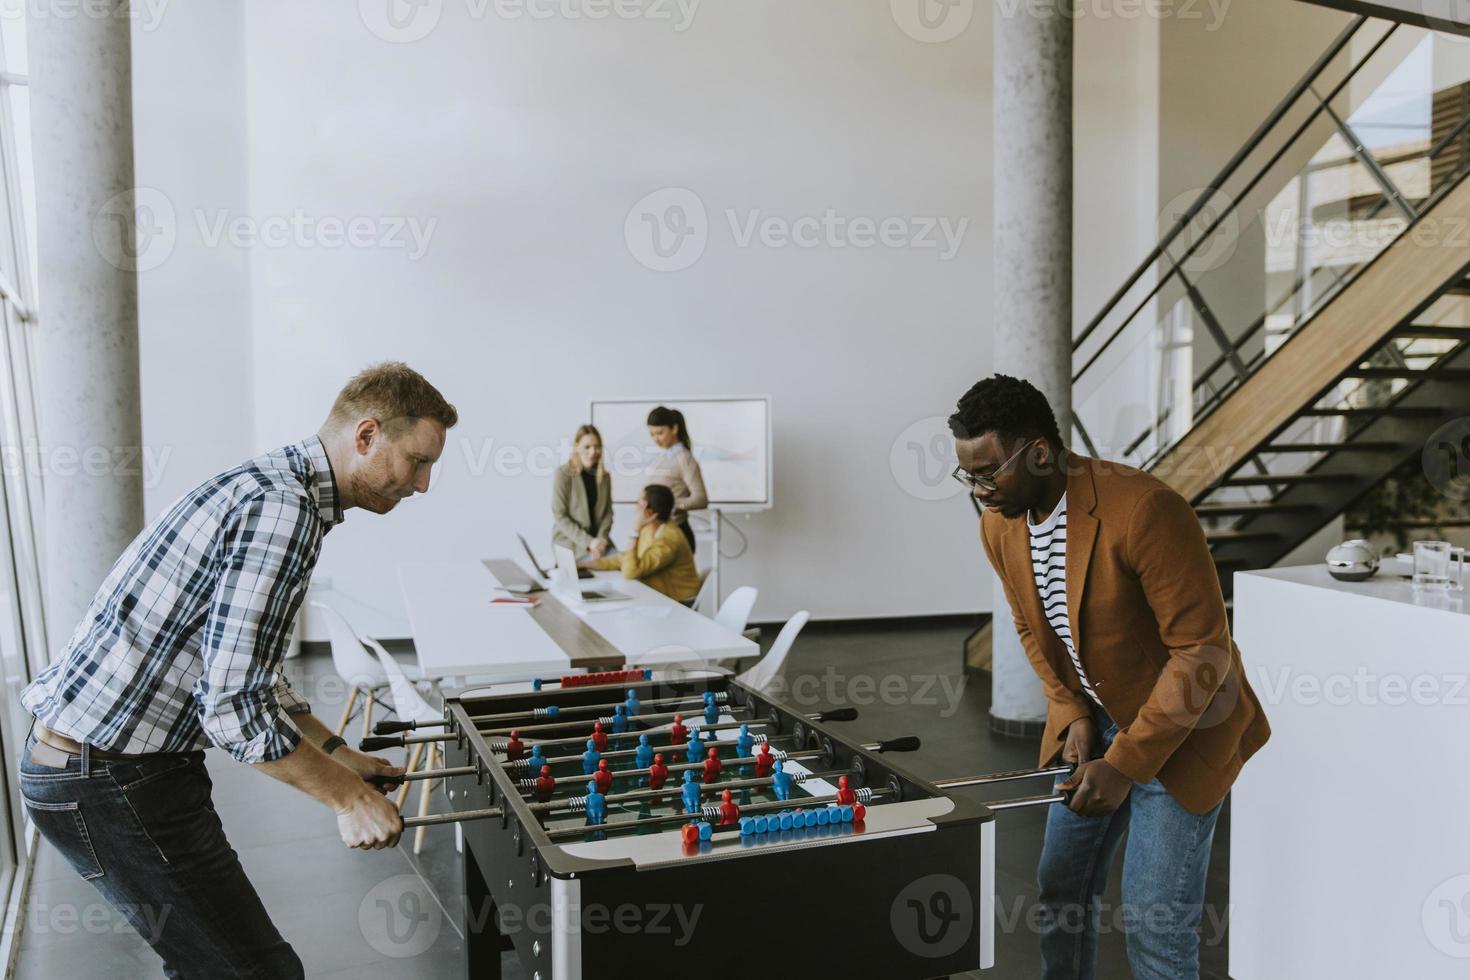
(732, 443)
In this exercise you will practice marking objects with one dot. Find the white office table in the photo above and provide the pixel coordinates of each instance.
(457, 632)
(1348, 851)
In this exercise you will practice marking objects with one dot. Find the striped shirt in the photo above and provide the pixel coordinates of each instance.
(182, 646)
(1049, 565)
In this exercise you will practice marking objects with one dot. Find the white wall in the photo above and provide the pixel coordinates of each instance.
(193, 298)
(524, 144)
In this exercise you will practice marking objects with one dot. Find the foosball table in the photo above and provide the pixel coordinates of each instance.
(632, 824)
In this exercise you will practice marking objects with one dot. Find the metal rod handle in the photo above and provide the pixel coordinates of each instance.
(959, 782)
(1025, 801)
(438, 818)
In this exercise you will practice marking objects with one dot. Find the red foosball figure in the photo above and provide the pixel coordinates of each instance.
(599, 737)
(545, 785)
(658, 772)
(712, 766)
(845, 796)
(678, 734)
(603, 776)
(514, 748)
(729, 812)
(764, 762)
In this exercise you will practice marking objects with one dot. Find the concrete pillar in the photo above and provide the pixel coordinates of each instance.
(1032, 331)
(88, 407)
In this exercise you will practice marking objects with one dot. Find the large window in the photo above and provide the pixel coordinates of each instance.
(23, 645)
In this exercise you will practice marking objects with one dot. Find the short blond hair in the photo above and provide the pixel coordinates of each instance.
(394, 394)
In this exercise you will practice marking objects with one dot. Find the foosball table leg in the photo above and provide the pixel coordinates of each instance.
(482, 939)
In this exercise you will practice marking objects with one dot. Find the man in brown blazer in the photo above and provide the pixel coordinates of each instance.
(1120, 612)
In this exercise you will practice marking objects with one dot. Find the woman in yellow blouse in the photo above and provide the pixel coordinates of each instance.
(659, 556)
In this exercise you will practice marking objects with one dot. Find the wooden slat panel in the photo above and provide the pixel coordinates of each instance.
(1383, 296)
(581, 643)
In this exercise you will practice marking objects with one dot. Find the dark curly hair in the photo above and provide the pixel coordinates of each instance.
(1005, 405)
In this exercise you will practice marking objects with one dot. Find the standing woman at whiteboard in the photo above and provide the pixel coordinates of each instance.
(675, 466)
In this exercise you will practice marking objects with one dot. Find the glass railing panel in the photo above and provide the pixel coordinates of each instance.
(1344, 170)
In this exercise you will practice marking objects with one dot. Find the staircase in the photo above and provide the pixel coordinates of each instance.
(1282, 385)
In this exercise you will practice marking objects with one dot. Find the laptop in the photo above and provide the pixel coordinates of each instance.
(564, 581)
(581, 572)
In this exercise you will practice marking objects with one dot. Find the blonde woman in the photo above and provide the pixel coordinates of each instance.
(675, 466)
(581, 499)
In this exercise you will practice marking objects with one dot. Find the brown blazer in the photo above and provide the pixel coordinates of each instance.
(1151, 631)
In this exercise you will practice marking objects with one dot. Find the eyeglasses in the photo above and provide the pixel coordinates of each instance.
(987, 483)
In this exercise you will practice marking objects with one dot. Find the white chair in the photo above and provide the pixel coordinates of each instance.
(409, 705)
(757, 677)
(735, 612)
(354, 664)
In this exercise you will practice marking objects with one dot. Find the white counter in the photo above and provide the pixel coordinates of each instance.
(1350, 830)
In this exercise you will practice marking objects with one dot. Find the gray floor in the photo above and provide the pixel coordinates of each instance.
(376, 916)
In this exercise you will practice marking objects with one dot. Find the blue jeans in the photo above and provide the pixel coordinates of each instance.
(145, 834)
(1163, 883)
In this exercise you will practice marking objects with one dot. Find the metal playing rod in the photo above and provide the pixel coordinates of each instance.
(864, 796)
(960, 782)
(578, 804)
(617, 755)
(395, 727)
(527, 787)
(451, 817)
(1026, 801)
(719, 726)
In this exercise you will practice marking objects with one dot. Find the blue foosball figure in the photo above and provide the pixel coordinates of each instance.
(596, 806)
(590, 758)
(781, 782)
(536, 760)
(632, 704)
(620, 719)
(744, 742)
(644, 754)
(690, 792)
(711, 712)
(695, 748)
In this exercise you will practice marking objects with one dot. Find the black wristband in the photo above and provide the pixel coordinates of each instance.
(333, 744)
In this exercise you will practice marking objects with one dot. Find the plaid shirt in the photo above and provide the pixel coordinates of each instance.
(183, 644)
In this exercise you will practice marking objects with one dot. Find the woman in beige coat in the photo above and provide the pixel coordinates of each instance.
(581, 499)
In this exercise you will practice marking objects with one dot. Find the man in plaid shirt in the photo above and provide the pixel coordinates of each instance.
(182, 648)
